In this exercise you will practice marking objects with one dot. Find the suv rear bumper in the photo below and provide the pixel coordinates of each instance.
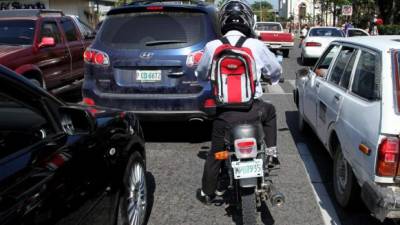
(383, 202)
(155, 107)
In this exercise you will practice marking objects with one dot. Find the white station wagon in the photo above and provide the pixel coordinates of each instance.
(351, 100)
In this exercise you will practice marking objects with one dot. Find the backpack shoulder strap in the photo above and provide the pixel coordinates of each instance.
(240, 42)
(224, 40)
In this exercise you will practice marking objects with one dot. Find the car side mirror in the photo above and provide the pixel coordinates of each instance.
(303, 72)
(75, 120)
(47, 42)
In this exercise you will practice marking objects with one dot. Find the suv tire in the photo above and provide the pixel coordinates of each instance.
(344, 182)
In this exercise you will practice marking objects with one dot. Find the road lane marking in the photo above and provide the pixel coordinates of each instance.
(329, 215)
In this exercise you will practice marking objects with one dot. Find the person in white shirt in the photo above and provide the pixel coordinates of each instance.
(304, 31)
(237, 20)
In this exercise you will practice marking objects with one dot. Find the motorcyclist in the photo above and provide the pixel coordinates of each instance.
(237, 19)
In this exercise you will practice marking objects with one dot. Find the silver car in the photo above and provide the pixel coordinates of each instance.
(351, 100)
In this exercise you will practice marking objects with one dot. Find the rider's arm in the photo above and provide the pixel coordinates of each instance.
(205, 62)
(271, 68)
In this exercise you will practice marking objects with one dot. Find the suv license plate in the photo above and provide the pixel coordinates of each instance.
(148, 75)
(248, 169)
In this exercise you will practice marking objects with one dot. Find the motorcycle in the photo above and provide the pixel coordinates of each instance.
(246, 169)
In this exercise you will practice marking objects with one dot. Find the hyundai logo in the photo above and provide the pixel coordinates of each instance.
(146, 55)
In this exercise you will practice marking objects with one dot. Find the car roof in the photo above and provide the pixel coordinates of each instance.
(30, 13)
(324, 28)
(381, 42)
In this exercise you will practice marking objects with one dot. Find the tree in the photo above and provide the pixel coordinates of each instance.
(263, 10)
(389, 10)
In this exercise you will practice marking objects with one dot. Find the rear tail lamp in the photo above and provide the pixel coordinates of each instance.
(194, 58)
(88, 101)
(96, 57)
(313, 44)
(388, 157)
(246, 148)
(209, 103)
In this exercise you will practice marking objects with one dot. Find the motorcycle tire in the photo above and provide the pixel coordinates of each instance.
(249, 208)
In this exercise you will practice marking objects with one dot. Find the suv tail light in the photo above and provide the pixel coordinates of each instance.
(96, 57)
(194, 58)
(209, 103)
(313, 44)
(388, 157)
(246, 148)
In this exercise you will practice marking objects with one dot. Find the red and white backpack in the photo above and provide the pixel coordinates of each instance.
(233, 75)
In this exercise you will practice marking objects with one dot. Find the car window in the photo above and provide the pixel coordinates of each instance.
(50, 29)
(352, 33)
(87, 29)
(268, 27)
(183, 30)
(19, 122)
(340, 65)
(364, 82)
(69, 29)
(325, 32)
(322, 67)
(345, 80)
(16, 32)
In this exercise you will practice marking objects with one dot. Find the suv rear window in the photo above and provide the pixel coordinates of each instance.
(153, 30)
(17, 32)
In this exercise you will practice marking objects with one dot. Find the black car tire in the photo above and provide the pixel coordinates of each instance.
(304, 60)
(136, 193)
(344, 182)
(285, 53)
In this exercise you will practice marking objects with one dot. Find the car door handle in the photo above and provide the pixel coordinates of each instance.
(317, 84)
(337, 97)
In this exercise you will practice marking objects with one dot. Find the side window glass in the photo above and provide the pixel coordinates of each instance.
(19, 122)
(50, 29)
(321, 69)
(69, 30)
(344, 82)
(340, 65)
(364, 83)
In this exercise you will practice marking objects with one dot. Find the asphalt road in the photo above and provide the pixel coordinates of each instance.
(175, 158)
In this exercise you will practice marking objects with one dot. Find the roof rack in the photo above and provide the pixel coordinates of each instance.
(147, 2)
(30, 13)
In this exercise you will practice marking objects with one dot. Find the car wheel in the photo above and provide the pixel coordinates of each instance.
(133, 196)
(304, 60)
(344, 181)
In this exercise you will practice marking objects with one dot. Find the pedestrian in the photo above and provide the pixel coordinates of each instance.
(237, 22)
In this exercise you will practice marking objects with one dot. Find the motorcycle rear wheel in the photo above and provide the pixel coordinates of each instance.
(249, 208)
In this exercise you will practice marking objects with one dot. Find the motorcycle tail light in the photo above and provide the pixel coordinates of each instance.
(194, 58)
(246, 148)
(88, 101)
(96, 57)
(388, 157)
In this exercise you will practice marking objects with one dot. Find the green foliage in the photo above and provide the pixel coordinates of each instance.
(263, 10)
(389, 29)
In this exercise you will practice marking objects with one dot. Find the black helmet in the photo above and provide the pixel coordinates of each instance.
(236, 15)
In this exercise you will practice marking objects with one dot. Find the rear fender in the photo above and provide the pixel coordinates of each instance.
(248, 182)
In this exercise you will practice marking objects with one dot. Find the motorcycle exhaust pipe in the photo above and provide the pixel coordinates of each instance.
(276, 198)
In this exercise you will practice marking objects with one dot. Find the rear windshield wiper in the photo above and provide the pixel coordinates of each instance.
(164, 42)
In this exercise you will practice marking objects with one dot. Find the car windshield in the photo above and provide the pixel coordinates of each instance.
(17, 32)
(325, 32)
(268, 27)
(142, 30)
(352, 33)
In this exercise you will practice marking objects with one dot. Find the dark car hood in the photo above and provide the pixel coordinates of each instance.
(11, 49)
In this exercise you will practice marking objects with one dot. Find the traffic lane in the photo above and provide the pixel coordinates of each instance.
(177, 167)
(356, 215)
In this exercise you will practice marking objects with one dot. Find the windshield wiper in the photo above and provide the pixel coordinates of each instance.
(164, 42)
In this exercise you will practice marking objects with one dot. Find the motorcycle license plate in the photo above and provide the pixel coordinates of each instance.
(148, 75)
(247, 169)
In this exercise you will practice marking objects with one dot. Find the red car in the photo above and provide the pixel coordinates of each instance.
(272, 34)
(43, 45)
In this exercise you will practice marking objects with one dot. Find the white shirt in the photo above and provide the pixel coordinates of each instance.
(263, 58)
(304, 32)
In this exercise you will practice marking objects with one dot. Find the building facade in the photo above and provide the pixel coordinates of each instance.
(303, 12)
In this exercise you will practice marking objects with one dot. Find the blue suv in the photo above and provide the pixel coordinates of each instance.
(144, 57)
